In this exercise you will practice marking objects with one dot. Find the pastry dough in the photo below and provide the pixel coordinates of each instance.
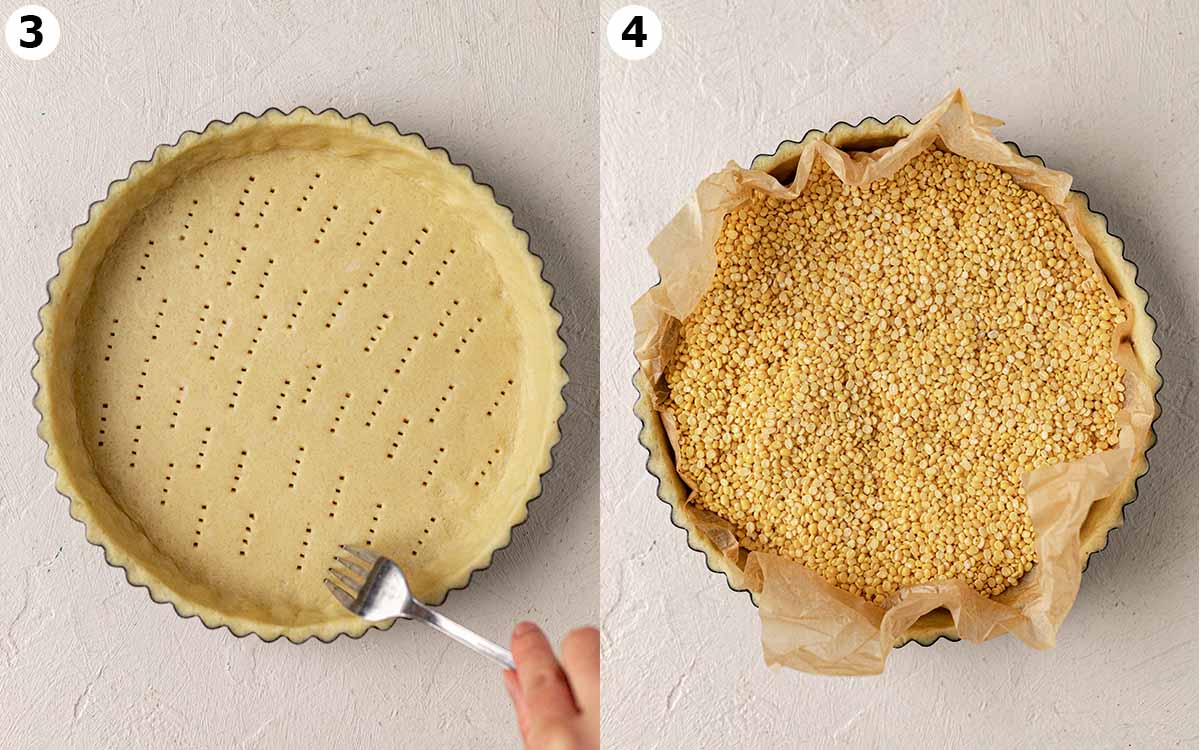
(292, 332)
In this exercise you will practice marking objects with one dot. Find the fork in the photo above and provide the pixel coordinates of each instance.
(381, 592)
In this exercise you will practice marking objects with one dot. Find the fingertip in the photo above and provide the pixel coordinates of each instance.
(525, 627)
(582, 643)
(581, 662)
(543, 685)
(583, 635)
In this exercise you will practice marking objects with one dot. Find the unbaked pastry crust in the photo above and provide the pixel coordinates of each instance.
(1105, 514)
(290, 332)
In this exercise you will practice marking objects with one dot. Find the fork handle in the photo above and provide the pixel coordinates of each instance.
(461, 634)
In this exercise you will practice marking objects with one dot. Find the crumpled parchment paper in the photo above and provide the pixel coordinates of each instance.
(807, 623)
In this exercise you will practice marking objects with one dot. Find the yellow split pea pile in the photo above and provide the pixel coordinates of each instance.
(874, 369)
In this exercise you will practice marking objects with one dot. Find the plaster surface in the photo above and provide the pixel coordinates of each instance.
(86, 661)
(1103, 90)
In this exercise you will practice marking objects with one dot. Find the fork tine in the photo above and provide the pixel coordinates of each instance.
(346, 600)
(363, 554)
(352, 565)
(349, 582)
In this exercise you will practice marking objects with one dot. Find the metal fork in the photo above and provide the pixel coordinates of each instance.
(381, 593)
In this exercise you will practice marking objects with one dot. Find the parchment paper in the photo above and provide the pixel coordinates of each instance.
(807, 623)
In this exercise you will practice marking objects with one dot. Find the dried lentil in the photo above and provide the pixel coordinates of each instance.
(873, 370)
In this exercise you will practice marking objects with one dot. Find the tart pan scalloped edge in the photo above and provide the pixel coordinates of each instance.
(1106, 514)
(67, 482)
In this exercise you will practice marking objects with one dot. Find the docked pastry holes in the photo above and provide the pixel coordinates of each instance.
(375, 335)
(285, 350)
(249, 531)
(297, 309)
(424, 535)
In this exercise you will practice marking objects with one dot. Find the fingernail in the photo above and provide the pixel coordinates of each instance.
(524, 627)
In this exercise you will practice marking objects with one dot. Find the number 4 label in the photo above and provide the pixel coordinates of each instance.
(634, 32)
(32, 32)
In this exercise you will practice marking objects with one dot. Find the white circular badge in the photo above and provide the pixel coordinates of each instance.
(32, 32)
(634, 32)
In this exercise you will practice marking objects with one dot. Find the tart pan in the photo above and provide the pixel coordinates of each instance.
(288, 332)
(1105, 515)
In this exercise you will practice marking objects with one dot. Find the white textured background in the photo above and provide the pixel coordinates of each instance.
(86, 661)
(1103, 90)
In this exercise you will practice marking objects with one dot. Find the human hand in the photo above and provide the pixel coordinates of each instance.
(557, 706)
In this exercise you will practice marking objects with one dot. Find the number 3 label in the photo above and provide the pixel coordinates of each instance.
(32, 32)
(634, 32)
